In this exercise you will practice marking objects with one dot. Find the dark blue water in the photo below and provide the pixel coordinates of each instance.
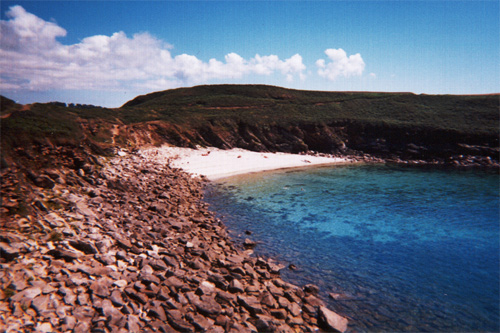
(407, 249)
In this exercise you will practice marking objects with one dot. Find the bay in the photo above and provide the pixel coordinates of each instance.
(402, 249)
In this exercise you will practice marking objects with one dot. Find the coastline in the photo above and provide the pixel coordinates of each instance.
(215, 164)
(129, 245)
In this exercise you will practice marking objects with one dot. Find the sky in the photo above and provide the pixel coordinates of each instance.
(108, 52)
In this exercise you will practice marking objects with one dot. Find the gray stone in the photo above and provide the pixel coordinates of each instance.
(158, 312)
(83, 299)
(249, 244)
(120, 283)
(113, 315)
(200, 323)
(314, 301)
(174, 282)
(218, 280)
(69, 322)
(279, 313)
(54, 220)
(149, 278)
(44, 327)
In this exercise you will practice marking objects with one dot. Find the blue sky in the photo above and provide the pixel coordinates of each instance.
(107, 52)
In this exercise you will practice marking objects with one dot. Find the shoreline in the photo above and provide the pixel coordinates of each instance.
(129, 245)
(216, 164)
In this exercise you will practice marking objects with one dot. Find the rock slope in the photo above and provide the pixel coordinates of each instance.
(127, 245)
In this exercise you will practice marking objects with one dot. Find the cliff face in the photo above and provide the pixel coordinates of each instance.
(439, 146)
(456, 130)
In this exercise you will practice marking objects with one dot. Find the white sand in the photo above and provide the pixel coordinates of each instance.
(216, 163)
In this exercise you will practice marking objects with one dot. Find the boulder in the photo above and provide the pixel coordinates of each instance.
(235, 286)
(84, 246)
(249, 244)
(331, 321)
(8, 252)
(44, 182)
(208, 306)
(251, 304)
(176, 320)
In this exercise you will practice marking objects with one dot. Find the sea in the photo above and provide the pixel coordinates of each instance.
(391, 248)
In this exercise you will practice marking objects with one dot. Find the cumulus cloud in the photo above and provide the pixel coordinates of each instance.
(340, 64)
(32, 58)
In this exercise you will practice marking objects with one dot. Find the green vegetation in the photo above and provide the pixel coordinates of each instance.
(216, 111)
(273, 105)
(9, 292)
(55, 237)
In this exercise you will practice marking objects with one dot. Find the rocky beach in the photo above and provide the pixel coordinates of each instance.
(103, 229)
(126, 244)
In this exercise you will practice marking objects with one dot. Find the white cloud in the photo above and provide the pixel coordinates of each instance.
(340, 64)
(373, 75)
(31, 58)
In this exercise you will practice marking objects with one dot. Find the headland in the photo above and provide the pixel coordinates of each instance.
(101, 229)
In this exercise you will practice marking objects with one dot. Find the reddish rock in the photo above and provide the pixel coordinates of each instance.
(279, 313)
(250, 303)
(331, 321)
(311, 289)
(177, 321)
(116, 298)
(84, 246)
(136, 296)
(235, 286)
(268, 300)
(101, 287)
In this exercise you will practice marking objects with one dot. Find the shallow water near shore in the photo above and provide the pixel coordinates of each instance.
(405, 249)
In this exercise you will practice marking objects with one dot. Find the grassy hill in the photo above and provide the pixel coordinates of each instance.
(266, 104)
(267, 118)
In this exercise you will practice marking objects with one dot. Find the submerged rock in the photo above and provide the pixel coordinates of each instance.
(331, 321)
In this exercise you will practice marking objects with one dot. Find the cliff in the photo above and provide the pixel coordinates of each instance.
(91, 241)
(436, 129)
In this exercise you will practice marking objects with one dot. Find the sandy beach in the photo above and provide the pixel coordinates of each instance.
(215, 163)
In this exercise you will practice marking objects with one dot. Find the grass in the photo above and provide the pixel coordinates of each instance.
(55, 237)
(273, 105)
(225, 106)
(9, 292)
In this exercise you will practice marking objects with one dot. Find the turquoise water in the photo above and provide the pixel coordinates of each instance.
(407, 249)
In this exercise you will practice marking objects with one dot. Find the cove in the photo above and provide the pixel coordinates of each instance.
(401, 249)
